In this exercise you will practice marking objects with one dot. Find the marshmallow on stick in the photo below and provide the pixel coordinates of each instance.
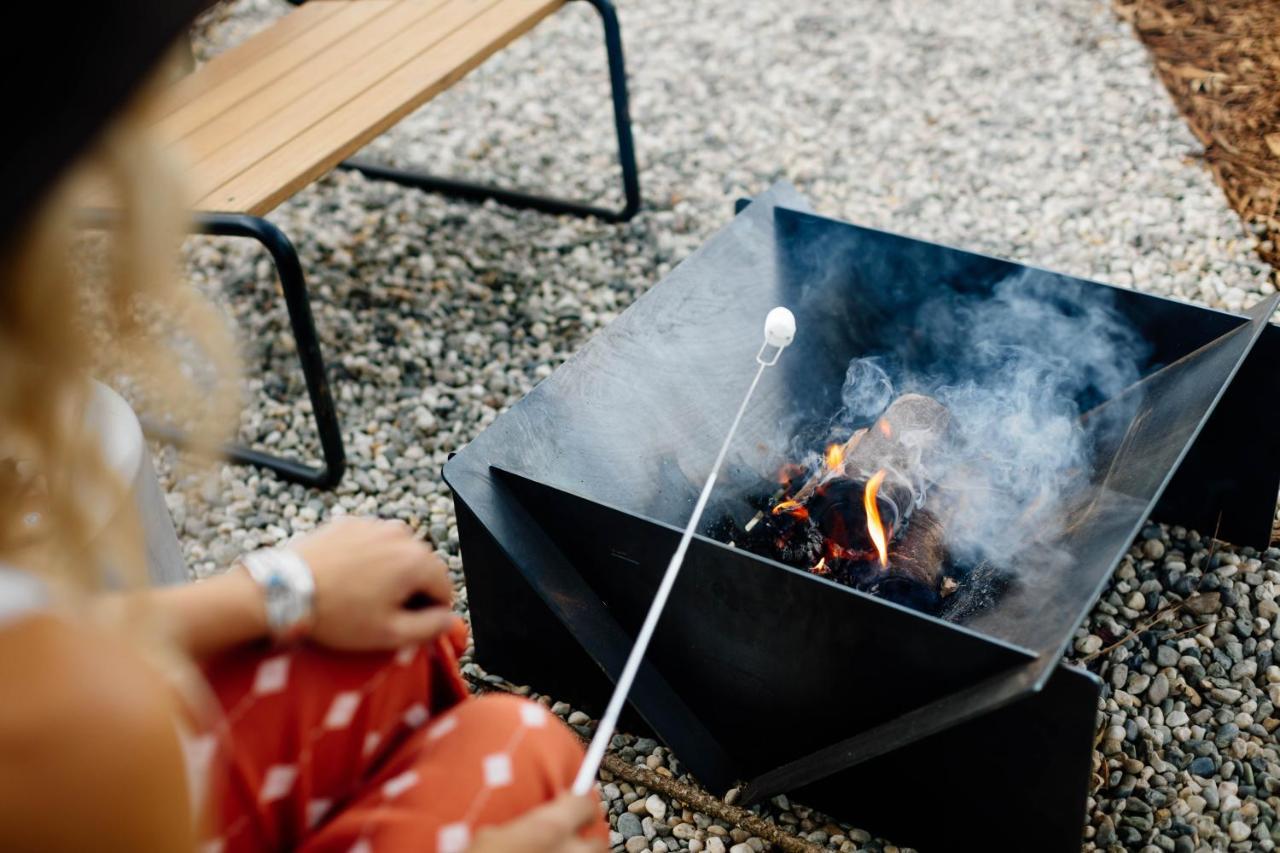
(779, 331)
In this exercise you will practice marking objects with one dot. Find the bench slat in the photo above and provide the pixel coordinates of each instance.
(268, 117)
(255, 175)
(286, 56)
(243, 56)
(277, 132)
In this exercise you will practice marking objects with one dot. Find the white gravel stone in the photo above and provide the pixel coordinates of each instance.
(656, 807)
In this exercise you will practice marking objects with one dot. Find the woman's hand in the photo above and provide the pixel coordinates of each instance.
(376, 585)
(552, 828)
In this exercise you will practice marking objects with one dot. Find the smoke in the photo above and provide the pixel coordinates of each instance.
(1016, 368)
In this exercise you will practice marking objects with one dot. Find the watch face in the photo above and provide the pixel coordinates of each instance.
(286, 588)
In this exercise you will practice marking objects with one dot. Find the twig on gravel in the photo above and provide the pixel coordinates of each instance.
(1158, 617)
(1139, 629)
(691, 795)
(708, 804)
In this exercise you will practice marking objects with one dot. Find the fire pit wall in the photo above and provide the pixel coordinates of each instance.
(569, 506)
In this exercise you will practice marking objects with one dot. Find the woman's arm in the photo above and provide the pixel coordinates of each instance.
(376, 587)
(212, 615)
(89, 754)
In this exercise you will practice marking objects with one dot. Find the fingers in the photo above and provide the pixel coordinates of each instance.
(422, 570)
(419, 626)
(427, 574)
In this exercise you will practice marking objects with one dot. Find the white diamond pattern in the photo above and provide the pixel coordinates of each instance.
(316, 810)
(272, 675)
(442, 727)
(453, 838)
(533, 715)
(343, 710)
(416, 715)
(497, 770)
(397, 785)
(278, 782)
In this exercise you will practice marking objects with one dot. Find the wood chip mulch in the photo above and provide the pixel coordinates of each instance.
(1220, 59)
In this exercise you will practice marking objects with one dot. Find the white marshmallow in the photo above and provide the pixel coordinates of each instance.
(779, 327)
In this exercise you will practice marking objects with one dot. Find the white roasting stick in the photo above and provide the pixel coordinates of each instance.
(779, 330)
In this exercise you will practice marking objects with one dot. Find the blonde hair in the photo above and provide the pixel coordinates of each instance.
(61, 322)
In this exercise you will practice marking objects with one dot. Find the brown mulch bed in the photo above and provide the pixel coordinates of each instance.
(1220, 59)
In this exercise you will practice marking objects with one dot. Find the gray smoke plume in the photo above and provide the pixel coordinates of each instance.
(1016, 368)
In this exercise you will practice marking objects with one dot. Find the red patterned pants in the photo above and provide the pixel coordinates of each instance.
(323, 751)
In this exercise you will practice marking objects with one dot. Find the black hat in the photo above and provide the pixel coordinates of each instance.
(82, 63)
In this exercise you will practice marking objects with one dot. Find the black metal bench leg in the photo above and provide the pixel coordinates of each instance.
(294, 285)
(512, 198)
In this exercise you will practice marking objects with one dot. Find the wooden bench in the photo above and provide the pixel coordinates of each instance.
(268, 117)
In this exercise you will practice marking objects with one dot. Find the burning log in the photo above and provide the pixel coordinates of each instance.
(890, 453)
(909, 430)
(915, 570)
(857, 519)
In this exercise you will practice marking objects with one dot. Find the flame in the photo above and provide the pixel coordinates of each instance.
(791, 508)
(874, 527)
(835, 456)
(821, 567)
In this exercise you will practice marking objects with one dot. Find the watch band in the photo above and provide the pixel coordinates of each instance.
(288, 589)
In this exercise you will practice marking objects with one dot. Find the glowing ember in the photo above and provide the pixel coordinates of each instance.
(791, 508)
(874, 527)
(835, 456)
(821, 567)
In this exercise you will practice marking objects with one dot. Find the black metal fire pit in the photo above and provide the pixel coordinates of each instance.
(912, 725)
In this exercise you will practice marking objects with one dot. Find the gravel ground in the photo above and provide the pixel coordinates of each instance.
(1187, 756)
(1033, 130)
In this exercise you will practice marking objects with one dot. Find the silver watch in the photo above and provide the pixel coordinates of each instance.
(288, 589)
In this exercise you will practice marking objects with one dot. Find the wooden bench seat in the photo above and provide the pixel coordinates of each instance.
(261, 121)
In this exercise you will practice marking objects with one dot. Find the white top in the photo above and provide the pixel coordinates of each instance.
(20, 595)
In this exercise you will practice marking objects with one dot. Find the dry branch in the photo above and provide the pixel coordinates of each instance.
(709, 804)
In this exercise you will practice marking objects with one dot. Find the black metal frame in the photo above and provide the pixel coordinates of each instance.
(294, 286)
(546, 204)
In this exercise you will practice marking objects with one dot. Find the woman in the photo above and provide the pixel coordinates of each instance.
(309, 697)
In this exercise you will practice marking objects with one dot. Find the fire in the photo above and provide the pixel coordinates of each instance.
(791, 508)
(874, 527)
(835, 456)
(821, 567)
